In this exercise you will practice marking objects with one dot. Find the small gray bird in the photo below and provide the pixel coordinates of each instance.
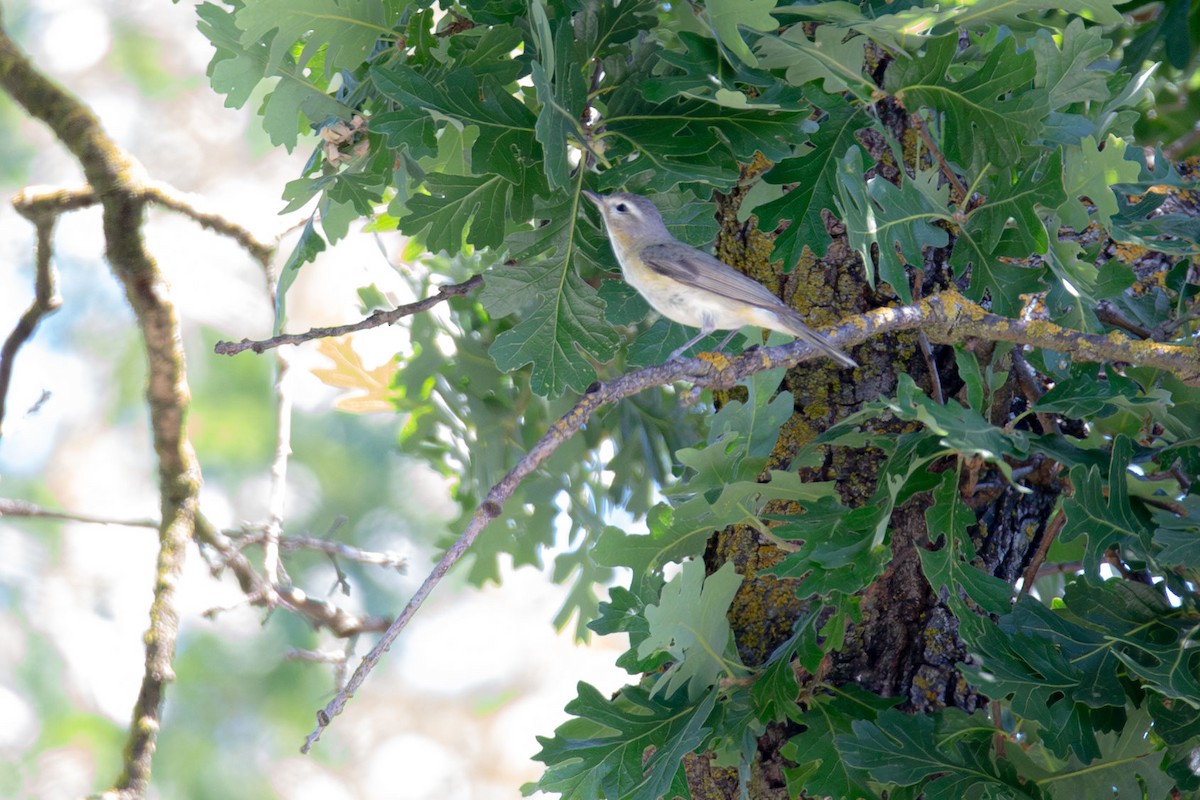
(691, 287)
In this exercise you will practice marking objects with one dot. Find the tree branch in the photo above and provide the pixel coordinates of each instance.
(277, 496)
(946, 317)
(114, 178)
(293, 541)
(19, 508)
(231, 543)
(46, 299)
(375, 320)
(169, 197)
(918, 122)
(951, 318)
(260, 592)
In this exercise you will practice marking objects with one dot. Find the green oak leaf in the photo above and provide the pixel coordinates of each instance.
(460, 209)
(308, 246)
(563, 97)
(562, 317)
(898, 222)
(727, 15)
(1067, 73)
(950, 568)
(689, 623)
(601, 28)
(1102, 513)
(1128, 765)
(913, 24)
(821, 771)
(1153, 641)
(829, 57)
(987, 116)
(346, 30)
(959, 427)
(814, 175)
(294, 103)
(1091, 172)
(409, 128)
(506, 144)
(909, 749)
(654, 147)
(1178, 536)
(1014, 196)
(775, 690)
(630, 747)
(1002, 273)
(701, 72)
(566, 323)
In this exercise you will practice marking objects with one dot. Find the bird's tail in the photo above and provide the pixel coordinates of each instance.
(800, 330)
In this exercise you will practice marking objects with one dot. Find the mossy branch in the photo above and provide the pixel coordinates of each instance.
(115, 180)
(946, 317)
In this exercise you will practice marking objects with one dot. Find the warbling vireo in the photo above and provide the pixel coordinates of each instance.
(691, 287)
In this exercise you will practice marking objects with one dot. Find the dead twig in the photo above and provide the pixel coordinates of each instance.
(376, 320)
(46, 299)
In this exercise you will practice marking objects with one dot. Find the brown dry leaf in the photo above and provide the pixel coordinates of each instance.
(373, 386)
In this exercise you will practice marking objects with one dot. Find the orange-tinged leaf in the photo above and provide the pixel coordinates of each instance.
(372, 387)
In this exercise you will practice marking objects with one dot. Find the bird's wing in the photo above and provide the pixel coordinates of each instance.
(690, 266)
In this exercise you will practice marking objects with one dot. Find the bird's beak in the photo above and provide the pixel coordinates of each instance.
(597, 200)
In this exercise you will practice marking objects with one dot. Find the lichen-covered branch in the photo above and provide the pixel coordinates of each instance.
(115, 179)
(945, 317)
(949, 317)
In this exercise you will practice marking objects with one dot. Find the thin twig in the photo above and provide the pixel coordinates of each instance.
(19, 508)
(42, 200)
(339, 659)
(43, 207)
(258, 592)
(1053, 527)
(291, 542)
(1170, 326)
(278, 488)
(1059, 568)
(935, 378)
(35, 201)
(923, 131)
(169, 197)
(1108, 313)
(318, 613)
(10, 507)
(46, 300)
(1027, 381)
(324, 614)
(374, 321)
(1176, 472)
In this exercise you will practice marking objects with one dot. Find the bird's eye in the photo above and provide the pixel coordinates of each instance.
(622, 207)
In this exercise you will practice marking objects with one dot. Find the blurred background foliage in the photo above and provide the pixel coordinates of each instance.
(73, 596)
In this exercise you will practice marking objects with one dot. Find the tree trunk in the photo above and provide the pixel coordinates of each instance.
(906, 644)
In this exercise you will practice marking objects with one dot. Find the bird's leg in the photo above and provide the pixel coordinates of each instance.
(726, 340)
(704, 331)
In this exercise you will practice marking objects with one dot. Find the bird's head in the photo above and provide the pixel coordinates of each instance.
(630, 218)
